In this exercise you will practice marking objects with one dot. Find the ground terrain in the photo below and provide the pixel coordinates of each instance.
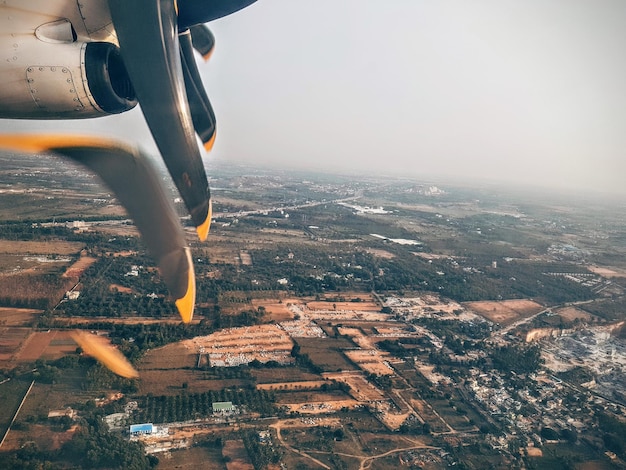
(338, 348)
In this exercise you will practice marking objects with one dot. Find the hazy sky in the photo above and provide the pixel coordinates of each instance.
(514, 90)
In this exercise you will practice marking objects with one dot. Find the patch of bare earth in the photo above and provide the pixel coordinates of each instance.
(79, 267)
(607, 272)
(52, 344)
(505, 312)
(573, 313)
(235, 452)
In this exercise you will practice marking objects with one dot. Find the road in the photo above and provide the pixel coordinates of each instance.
(238, 214)
(365, 461)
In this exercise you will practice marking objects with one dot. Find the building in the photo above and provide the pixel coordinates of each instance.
(141, 429)
(223, 407)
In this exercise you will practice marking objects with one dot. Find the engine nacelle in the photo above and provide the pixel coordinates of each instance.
(63, 80)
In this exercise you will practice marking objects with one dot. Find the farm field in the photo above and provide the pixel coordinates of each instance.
(191, 459)
(505, 312)
(51, 344)
(18, 316)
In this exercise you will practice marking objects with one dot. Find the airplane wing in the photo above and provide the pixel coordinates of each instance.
(132, 178)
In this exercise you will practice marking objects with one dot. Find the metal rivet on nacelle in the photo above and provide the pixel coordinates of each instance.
(29, 69)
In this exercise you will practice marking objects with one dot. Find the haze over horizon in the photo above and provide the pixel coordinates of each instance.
(512, 91)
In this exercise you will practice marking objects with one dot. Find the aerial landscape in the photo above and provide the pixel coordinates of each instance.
(341, 322)
(407, 248)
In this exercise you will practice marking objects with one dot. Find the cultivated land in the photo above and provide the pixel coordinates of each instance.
(338, 349)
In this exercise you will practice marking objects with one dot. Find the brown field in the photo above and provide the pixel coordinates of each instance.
(278, 234)
(324, 406)
(310, 396)
(275, 310)
(245, 258)
(121, 289)
(192, 458)
(360, 389)
(56, 247)
(327, 352)
(339, 315)
(375, 328)
(371, 361)
(171, 356)
(170, 382)
(430, 256)
(311, 402)
(607, 272)
(235, 453)
(572, 313)
(365, 306)
(309, 384)
(66, 321)
(283, 374)
(219, 253)
(11, 339)
(46, 439)
(118, 230)
(506, 311)
(52, 344)
(79, 267)
(18, 316)
(380, 253)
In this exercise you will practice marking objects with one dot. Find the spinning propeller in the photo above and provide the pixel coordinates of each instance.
(156, 40)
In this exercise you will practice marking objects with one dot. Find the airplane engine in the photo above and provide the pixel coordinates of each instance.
(64, 80)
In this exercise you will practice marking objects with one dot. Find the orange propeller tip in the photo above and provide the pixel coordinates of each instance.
(208, 145)
(185, 304)
(205, 227)
(105, 353)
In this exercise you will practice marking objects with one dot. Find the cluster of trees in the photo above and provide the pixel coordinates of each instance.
(187, 406)
(98, 299)
(92, 446)
(134, 339)
(261, 454)
(614, 434)
(508, 281)
(520, 359)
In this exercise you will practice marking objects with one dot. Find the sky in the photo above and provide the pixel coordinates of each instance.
(514, 91)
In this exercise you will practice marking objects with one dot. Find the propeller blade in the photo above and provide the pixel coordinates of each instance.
(194, 12)
(203, 40)
(107, 354)
(132, 178)
(199, 104)
(148, 39)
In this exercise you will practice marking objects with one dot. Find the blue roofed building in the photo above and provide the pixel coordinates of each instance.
(140, 429)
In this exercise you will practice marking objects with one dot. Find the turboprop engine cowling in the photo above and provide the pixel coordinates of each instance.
(64, 80)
